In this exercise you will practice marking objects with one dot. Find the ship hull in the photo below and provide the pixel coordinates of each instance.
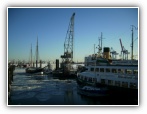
(113, 90)
(34, 70)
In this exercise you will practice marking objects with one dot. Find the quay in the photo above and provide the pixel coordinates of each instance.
(11, 69)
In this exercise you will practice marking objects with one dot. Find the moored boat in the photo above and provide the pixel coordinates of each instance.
(33, 70)
(119, 79)
(119, 76)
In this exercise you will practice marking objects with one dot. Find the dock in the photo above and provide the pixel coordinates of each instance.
(11, 69)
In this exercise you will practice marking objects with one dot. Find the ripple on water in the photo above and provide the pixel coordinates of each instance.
(44, 96)
(23, 95)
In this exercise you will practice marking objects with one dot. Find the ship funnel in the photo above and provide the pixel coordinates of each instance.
(106, 53)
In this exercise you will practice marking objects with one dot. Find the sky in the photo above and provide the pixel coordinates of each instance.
(50, 25)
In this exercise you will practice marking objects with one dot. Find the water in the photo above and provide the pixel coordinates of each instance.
(29, 89)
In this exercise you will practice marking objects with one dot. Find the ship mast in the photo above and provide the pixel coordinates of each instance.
(37, 53)
(132, 45)
(31, 55)
(132, 41)
(100, 44)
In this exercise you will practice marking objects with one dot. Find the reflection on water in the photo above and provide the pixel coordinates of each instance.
(46, 90)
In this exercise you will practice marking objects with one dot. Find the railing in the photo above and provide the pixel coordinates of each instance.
(118, 76)
(128, 77)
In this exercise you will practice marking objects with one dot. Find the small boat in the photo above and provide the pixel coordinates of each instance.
(92, 91)
(33, 70)
(48, 71)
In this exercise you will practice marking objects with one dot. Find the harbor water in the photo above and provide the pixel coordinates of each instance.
(29, 89)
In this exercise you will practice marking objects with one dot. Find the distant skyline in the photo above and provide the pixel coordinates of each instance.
(50, 26)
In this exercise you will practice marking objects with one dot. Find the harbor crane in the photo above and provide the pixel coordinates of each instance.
(67, 58)
(68, 44)
(124, 52)
(113, 53)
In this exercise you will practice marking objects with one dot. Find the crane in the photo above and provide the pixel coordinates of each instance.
(67, 57)
(124, 52)
(114, 53)
(68, 44)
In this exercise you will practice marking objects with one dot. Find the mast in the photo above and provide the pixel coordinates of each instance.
(94, 49)
(100, 43)
(132, 45)
(31, 55)
(37, 53)
(101, 39)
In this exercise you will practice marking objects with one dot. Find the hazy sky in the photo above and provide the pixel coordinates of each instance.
(51, 24)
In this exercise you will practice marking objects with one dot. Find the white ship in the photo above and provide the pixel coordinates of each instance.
(119, 76)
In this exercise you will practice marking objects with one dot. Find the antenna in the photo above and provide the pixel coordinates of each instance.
(132, 40)
(100, 42)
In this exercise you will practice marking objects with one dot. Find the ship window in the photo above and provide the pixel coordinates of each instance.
(117, 83)
(107, 70)
(101, 69)
(90, 80)
(102, 81)
(133, 85)
(129, 71)
(125, 84)
(114, 70)
(120, 71)
(92, 69)
(135, 72)
(97, 69)
(85, 79)
(94, 79)
(110, 82)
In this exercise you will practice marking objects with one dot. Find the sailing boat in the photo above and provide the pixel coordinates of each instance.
(34, 69)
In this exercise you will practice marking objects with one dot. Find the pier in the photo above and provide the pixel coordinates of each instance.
(11, 69)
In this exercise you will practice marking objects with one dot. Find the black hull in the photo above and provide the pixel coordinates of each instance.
(83, 83)
(92, 93)
(34, 70)
(113, 90)
(64, 75)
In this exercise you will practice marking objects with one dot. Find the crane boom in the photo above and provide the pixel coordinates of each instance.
(121, 44)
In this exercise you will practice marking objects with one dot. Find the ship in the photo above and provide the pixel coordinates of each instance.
(120, 76)
(33, 69)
